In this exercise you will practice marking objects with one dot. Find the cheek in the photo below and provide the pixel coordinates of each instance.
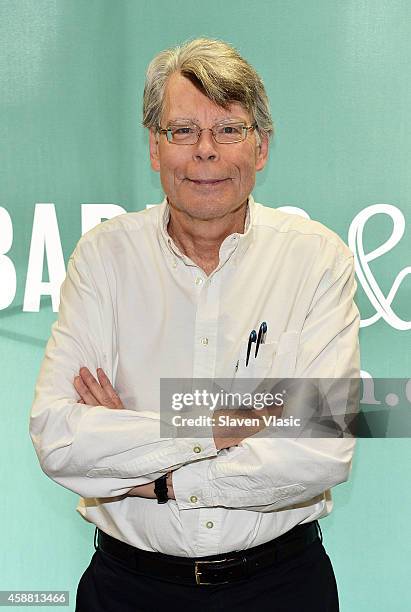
(247, 170)
(245, 165)
(172, 169)
(168, 173)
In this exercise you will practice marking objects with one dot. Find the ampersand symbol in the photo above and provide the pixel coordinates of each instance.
(381, 303)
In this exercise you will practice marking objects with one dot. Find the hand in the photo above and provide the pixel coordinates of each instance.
(226, 436)
(147, 490)
(95, 393)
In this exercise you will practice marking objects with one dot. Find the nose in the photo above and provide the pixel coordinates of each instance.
(206, 147)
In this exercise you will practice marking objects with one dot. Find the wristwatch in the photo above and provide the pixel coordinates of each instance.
(160, 489)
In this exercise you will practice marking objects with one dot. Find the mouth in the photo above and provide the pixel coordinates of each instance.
(207, 181)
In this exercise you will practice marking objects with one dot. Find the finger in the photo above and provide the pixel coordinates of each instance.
(115, 401)
(84, 392)
(94, 387)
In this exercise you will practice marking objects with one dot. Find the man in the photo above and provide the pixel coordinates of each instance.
(170, 293)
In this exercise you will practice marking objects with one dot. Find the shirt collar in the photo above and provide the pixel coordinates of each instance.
(236, 243)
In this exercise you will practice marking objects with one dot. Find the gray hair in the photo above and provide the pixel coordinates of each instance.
(218, 70)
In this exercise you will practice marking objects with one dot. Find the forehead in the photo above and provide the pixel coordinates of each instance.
(183, 100)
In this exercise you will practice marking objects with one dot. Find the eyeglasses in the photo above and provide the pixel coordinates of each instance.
(223, 133)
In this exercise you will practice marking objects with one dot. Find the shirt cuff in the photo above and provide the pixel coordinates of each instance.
(191, 486)
(192, 449)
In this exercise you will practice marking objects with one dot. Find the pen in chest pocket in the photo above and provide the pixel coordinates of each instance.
(258, 339)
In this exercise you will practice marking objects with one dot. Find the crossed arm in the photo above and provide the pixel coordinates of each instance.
(101, 393)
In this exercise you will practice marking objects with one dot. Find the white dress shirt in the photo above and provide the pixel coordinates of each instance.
(133, 304)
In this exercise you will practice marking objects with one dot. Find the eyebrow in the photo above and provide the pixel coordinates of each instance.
(197, 121)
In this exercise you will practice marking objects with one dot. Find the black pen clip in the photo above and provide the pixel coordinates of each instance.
(261, 336)
(252, 338)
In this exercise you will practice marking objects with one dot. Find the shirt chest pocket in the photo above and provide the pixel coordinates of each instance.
(275, 359)
(258, 367)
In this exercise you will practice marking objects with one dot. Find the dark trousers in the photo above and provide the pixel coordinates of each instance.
(303, 583)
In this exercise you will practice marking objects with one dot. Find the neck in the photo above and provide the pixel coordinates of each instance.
(201, 239)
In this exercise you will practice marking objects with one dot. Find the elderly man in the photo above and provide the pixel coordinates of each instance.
(229, 520)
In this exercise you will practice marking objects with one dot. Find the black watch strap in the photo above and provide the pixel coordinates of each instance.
(160, 489)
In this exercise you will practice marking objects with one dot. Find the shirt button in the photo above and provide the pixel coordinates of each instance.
(204, 341)
(197, 449)
(209, 524)
(174, 264)
(198, 280)
(193, 499)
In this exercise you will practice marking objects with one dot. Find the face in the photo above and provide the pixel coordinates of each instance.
(206, 180)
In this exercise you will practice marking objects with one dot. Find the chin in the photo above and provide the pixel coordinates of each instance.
(205, 210)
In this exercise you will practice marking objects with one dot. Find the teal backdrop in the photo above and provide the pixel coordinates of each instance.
(71, 80)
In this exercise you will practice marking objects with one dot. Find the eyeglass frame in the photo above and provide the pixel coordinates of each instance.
(245, 129)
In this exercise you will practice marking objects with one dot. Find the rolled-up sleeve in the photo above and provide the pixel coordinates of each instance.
(271, 473)
(93, 450)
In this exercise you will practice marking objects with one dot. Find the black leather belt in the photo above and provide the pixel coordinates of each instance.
(216, 569)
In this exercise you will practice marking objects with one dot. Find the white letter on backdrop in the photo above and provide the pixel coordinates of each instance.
(381, 303)
(7, 269)
(45, 237)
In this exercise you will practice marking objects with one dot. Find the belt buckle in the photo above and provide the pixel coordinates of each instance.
(198, 573)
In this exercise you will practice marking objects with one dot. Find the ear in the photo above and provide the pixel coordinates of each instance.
(262, 152)
(154, 154)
